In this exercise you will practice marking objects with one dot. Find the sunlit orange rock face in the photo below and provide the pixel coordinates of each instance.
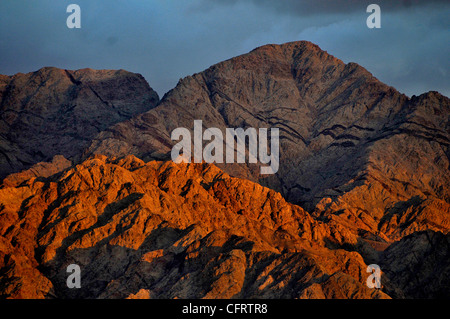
(364, 179)
(172, 230)
(166, 230)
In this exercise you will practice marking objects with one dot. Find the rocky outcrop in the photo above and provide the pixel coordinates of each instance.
(42, 169)
(57, 112)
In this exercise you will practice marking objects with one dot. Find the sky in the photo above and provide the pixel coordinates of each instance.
(165, 40)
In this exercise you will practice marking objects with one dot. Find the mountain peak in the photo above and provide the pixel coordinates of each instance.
(289, 46)
(336, 121)
(296, 50)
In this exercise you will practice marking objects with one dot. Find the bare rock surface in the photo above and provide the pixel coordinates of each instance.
(353, 150)
(165, 230)
(42, 169)
(418, 266)
(57, 112)
(364, 178)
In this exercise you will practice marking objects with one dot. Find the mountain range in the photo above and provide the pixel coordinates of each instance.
(87, 179)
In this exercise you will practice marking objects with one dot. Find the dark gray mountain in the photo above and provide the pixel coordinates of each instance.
(54, 111)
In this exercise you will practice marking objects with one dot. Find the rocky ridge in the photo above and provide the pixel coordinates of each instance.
(165, 230)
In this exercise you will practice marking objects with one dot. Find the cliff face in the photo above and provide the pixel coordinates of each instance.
(57, 112)
(364, 178)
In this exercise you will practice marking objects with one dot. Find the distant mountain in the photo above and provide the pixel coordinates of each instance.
(57, 112)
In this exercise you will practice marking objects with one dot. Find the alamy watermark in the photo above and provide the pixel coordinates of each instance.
(74, 279)
(374, 280)
(373, 20)
(214, 150)
(74, 19)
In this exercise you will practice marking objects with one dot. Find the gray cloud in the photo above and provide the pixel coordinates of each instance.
(167, 40)
(306, 7)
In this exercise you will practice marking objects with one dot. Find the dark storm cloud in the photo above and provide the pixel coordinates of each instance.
(305, 7)
(166, 40)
